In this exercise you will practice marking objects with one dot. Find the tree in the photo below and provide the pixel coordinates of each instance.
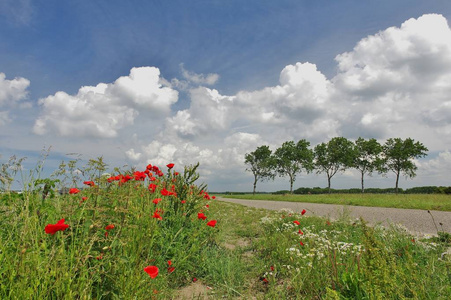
(366, 157)
(260, 164)
(290, 159)
(398, 155)
(336, 155)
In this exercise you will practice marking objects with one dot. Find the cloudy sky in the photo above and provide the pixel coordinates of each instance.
(181, 82)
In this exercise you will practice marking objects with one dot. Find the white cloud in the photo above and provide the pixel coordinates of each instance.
(199, 79)
(12, 91)
(102, 110)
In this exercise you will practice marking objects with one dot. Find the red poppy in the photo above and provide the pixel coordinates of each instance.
(194, 279)
(53, 228)
(300, 232)
(176, 173)
(83, 199)
(272, 268)
(74, 191)
(109, 227)
(152, 187)
(201, 216)
(297, 222)
(157, 215)
(90, 183)
(303, 212)
(152, 271)
(170, 166)
(301, 243)
(139, 176)
(156, 200)
(149, 166)
(165, 192)
(212, 223)
(169, 262)
(328, 223)
(100, 256)
(213, 197)
(183, 201)
(171, 269)
(152, 178)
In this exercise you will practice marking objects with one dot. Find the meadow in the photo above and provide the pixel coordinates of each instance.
(414, 201)
(158, 234)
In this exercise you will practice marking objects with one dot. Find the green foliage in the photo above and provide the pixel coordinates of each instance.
(366, 157)
(290, 159)
(336, 155)
(260, 163)
(398, 157)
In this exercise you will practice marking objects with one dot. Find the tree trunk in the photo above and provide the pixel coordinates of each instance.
(397, 180)
(255, 184)
(328, 182)
(291, 184)
(363, 188)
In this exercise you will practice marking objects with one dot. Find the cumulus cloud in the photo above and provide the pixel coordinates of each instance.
(102, 110)
(12, 91)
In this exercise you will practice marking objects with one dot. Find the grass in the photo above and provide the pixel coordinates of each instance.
(115, 232)
(413, 201)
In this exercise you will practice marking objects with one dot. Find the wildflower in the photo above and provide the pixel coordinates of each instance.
(176, 173)
(90, 183)
(170, 166)
(297, 222)
(272, 268)
(156, 200)
(152, 178)
(53, 228)
(100, 256)
(300, 232)
(211, 223)
(213, 197)
(183, 201)
(165, 192)
(73, 191)
(157, 215)
(83, 199)
(152, 187)
(139, 176)
(194, 279)
(201, 216)
(303, 212)
(207, 206)
(109, 227)
(328, 222)
(170, 269)
(149, 167)
(301, 243)
(152, 271)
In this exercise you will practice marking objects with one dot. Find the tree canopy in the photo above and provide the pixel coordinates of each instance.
(260, 164)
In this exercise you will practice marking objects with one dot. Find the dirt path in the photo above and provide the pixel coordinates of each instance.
(418, 222)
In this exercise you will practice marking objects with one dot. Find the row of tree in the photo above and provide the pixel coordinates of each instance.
(339, 154)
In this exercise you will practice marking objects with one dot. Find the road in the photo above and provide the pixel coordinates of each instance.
(418, 222)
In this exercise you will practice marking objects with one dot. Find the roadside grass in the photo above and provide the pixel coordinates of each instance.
(413, 201)
(120, 226)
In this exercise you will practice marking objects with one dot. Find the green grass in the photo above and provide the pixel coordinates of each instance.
(414, 201)
(250, 253)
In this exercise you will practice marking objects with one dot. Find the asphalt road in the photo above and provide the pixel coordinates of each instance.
(418, 222)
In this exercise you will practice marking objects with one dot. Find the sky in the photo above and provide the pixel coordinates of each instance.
(182, 82)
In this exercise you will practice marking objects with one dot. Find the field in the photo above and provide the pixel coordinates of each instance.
(158, 235)
(414, 201)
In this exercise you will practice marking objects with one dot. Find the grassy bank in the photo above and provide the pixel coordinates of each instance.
(414, 201)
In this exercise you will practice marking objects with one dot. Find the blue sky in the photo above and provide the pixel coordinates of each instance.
(209, 67)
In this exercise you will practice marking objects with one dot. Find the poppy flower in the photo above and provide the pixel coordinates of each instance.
(83, 199)
(201, 216)
(176, 173)
(300, 232)
(183, 201)
(139, 176)
(149, 167)
(74, 191)
(90, 183)
(297, 222)
(152, 271)
(165, 192)
(213, 197)
(152, 187)
(303, 212)
(194, 279)
(211, 223)
(156, 200)
(109, 227)
(53, 228)
(301, 243)
(170, 166)
(157, 215)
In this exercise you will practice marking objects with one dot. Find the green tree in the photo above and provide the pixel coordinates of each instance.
(336, 155)
(398, 157)
(366, 157)
(290, 159)
(260, 164)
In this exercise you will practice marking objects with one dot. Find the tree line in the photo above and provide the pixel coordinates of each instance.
(337, 155)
